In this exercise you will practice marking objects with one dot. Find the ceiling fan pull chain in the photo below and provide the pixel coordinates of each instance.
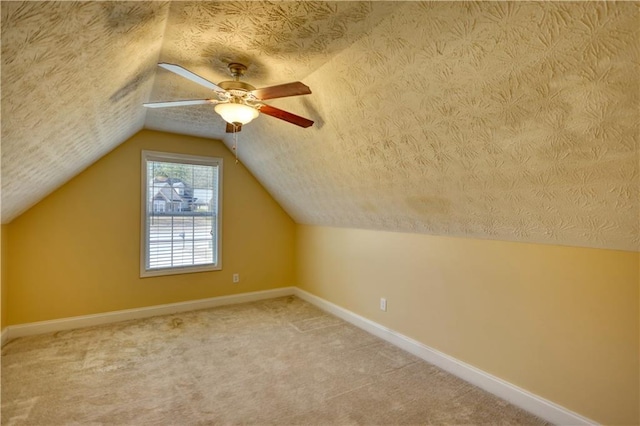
(235, 141)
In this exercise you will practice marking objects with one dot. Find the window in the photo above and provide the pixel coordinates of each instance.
(180, 213)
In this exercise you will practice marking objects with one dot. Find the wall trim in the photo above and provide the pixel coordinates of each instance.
(4, 336)
(524, 399)
(41, 327)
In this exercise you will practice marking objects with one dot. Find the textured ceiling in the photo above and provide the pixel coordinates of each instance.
(503, 120)
(74, 76)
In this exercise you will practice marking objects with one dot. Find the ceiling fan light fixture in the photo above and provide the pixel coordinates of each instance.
(236, 113)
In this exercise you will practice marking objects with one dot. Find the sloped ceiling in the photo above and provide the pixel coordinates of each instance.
(515, 121)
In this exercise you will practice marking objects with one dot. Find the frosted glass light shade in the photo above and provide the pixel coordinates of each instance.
(236, 113)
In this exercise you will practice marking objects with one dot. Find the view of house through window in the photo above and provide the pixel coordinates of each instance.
(180, 213)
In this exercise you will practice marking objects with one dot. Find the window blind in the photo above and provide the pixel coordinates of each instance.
(181, 212)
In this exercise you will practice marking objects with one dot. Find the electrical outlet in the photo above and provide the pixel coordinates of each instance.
(383, 304)
(236, 278)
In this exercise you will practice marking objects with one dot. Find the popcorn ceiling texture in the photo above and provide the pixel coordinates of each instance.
(74, 76)
(502, 120)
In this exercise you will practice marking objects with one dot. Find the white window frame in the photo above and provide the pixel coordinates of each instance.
(144, 252)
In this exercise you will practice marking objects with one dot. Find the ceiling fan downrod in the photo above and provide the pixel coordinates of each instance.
(237, 70)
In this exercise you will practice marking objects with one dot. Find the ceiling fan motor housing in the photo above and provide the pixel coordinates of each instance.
(236, 85)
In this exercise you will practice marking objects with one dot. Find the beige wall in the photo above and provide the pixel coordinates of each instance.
(3, 286)
(561, 322)
(77, 251)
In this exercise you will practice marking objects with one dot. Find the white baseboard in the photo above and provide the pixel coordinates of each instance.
(526, 400)
(41, 327)
(4, 336)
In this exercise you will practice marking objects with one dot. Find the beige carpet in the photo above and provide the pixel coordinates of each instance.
(280, 361)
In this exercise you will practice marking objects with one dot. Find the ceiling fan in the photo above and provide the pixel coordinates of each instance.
(238, 102)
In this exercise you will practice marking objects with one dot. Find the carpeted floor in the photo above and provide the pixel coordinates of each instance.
(280, 361)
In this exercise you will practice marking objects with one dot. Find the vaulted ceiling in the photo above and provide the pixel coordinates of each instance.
(502, 120)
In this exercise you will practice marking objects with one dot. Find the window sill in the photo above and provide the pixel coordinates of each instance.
(178, 271)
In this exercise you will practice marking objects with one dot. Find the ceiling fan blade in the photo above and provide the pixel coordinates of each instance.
(286, 116)
(183, 72)
(282, 91)
(179, 103)
(233, 128)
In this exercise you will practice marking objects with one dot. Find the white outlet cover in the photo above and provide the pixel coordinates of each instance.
(383, 304)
